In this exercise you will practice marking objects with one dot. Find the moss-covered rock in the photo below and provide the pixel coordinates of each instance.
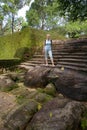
(19, 117)
(6, 84)
(57, 114)
(50, 89)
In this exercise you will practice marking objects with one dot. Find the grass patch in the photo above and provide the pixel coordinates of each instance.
(84, 121)
(8, 89)
(20, 99)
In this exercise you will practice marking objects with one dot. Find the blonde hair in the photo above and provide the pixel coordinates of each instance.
(48, 35)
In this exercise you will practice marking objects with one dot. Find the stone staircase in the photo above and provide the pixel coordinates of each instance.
(70, 54)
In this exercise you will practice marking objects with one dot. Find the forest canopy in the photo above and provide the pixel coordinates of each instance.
(45, 15)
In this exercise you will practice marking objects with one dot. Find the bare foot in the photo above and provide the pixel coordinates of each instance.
(46, 64)
(53, 65)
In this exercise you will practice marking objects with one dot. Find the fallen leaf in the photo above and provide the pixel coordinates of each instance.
(51, 114)
(62, 68)
(39, 106)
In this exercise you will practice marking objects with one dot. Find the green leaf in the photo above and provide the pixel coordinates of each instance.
(51, 114)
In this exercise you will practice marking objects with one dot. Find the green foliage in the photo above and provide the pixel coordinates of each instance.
(49, 91)
(43, 14)
(20, 99)
(75, 29)
(84, 124)
(8, 10)
(84, 121)
(58, 33)
(21, 52)
(18, 24)
(10, 88)
(27, 38)
(73, 9)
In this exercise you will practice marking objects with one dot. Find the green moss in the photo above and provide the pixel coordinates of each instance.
(49, 90)
(20, 99)
(27, 38)
(7, 89)
(84, 121)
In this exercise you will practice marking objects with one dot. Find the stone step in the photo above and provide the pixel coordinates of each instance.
(41, 57)
(40, 62)
(70, 54)
(73, 60)
(72, 64)
(32, 63)
(57, 60)
(65, 50)
(70, 46)
(81, 69)
(71, 57)
(29, 65)
(65, 53)
(36, 63)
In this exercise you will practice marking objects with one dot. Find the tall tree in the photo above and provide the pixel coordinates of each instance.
(73, 9)
(9, 8)
(43, 14)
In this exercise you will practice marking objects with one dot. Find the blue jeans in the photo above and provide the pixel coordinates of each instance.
(48, 51)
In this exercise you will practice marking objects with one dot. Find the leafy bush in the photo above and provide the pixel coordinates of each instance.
(27, 38)
(76, 29)
(84, 124)
(84, 121)
(10, 88)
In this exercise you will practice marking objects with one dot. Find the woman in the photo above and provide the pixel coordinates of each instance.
(48, 50)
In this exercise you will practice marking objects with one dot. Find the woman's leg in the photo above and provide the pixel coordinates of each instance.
(46, 61)
(51, 57)
(46, 56)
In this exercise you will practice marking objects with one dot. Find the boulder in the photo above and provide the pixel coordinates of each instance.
(58, 114)
(18, 118)
(6, 83)
(70, 83)
(17, 77)
(36, 77)
(7, 103)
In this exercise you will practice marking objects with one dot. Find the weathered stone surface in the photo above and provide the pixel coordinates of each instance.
(7, 103)
(18, 118)
(6, 83)
(36, 77)
(70, 83)
(58, 114)
(17, 76)
(18, 106)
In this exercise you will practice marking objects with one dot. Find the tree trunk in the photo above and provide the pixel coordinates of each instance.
(12, 22)
(1, 28)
